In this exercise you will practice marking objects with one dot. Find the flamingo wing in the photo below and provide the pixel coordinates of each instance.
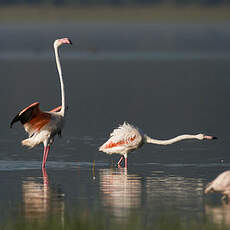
(26, 114)
(57, 109)
(125, 135)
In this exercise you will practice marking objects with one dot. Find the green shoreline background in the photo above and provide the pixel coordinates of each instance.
(137, 13)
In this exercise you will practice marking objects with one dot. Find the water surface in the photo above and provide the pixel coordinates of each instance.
(179, 84)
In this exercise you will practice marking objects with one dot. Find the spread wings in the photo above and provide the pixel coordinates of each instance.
(29, 113)
(26, 114)
(57, 109)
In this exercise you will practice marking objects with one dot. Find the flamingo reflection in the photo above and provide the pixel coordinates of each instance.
(39, 200)
(219, 214)
(173, 190)
(120, 191)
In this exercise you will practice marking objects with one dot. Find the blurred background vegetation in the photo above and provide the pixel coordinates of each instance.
(115, 2)
(115, 10)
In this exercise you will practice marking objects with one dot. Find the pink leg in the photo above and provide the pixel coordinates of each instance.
(45, 176)
(125, 162)
(47, 151)
(45, 155)
(119, 162)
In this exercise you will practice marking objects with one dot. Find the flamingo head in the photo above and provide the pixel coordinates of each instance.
(205, 137)
(61, 41)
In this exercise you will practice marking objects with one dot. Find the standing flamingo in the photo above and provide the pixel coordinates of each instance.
(220, 184)
(43, 126)
(127, 138)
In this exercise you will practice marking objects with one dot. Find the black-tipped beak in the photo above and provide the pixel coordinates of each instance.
(70, 42)
(210, 137)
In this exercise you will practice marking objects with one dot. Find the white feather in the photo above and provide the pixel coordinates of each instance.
(37, 138)
(124, 133)
(220, 184)
(45, 134)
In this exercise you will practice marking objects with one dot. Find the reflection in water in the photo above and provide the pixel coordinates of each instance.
(219, 214)
(174, 191)
(39, 200)
(120, 191)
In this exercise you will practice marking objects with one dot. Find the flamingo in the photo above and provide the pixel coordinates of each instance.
(220, 184)
(43, 126)
(127, 138)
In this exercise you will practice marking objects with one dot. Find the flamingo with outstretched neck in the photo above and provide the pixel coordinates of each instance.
(43, 126)
(127, 138)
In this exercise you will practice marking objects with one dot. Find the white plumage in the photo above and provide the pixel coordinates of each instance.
(220, 184)
(46, 133)
(122, 140)
(127, 138)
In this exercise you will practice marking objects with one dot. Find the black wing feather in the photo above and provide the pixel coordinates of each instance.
(25, 115)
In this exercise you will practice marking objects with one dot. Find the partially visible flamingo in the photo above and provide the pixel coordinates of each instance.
(43, 126)
(220, 184)
(127, 138)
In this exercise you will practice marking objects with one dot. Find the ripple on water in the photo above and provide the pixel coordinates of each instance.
(25, 165)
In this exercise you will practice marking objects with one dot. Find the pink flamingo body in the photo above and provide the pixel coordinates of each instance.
(127, 138)
(43, 126)
(220, 184)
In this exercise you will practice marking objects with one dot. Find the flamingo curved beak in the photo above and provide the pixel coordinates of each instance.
(65, 41)
(70, 42)
(210, 137)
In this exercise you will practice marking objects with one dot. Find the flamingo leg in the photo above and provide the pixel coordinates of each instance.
(119, 162)
(47, 151)
(45, 177)
(125, 162)
(45, 155)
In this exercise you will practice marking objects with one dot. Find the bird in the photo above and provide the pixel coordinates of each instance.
(43, 126)
(127, 138)
(220, 184)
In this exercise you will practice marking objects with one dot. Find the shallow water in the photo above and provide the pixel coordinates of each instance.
(180, 89)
